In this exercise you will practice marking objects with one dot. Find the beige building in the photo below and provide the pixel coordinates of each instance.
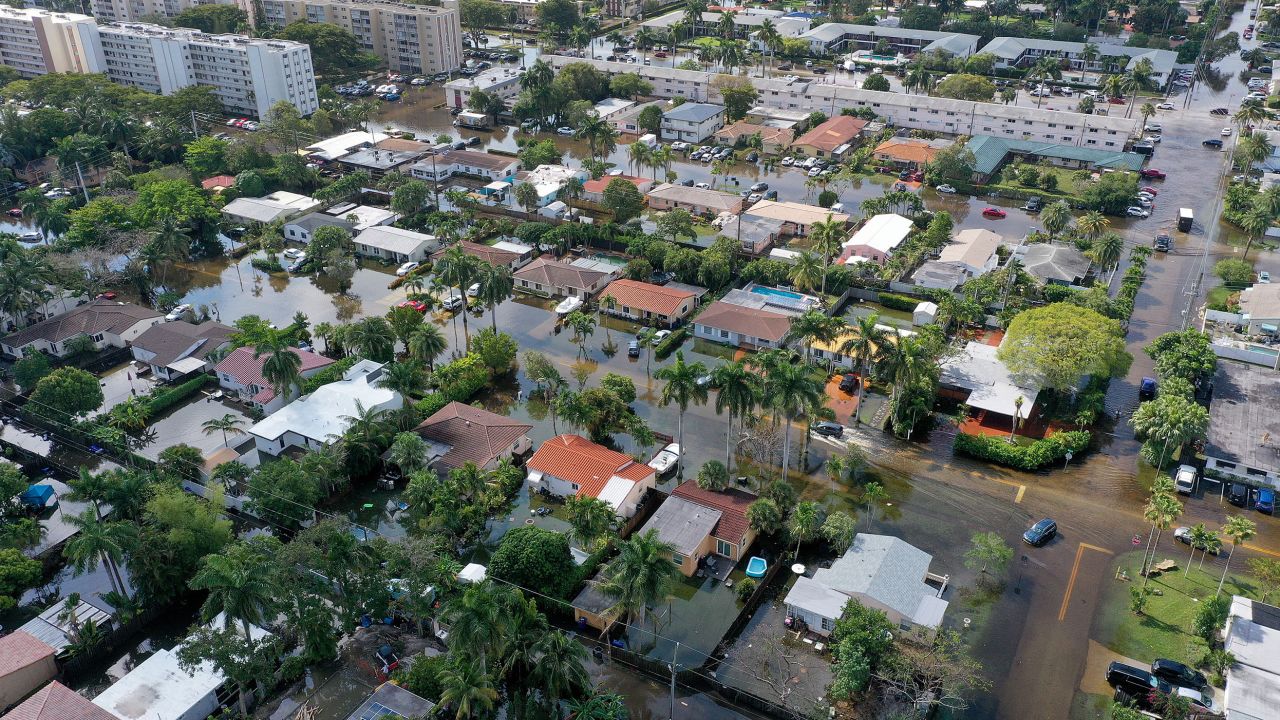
(410, 38)
(125, 10)
(26, 663)
(35, 42)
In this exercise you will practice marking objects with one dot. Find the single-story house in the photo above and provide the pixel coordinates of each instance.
(991, 387)
(878, 238)
(549, 180)
(773, 140)
(645, 302)
(392, 702)
(56, 701)
(692, 121)
(279, 205)
(458, 434)
(595, 609)
(754, 233)
(349, 216)
(797, 218)
(881, 572)
(1243, 442)
(571, 465)
(700, 523)
(175, 349)
(936, 275)
(738, 326)
(833, 350)
(240, 372)
(447, 163)
(593, 190)
(552, 278)
(301, 229)
(26, 663)
(395, 245)
(974, 250)
(908, 153)
(1252, 635)
(990, 153)
(1057, 264)
(1260, 306)
(218, 183)
(698, 201)
(383, 158)
(107, 322)
(339, 145)
(512, 255)
(54, 628)
(314, 421)
(832, 138)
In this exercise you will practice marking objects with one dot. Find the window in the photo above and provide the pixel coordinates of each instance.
(677, 558)
(828, 624)
(904, 626)
(724, 333)
(574, 486)
(724, 548)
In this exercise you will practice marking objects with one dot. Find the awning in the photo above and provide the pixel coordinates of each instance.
(186, 365)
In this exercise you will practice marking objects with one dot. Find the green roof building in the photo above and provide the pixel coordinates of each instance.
(991, 153)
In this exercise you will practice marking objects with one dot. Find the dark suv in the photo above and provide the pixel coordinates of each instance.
(1238, 494)
(1135, 681)
(1174, 672)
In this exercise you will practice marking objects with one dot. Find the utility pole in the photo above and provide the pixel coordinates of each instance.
(674, 654)
(195, 127)
(80, 175)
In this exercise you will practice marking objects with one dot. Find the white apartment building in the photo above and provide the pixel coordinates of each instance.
(916, 112)
(35, 42)
(503, 82)
(410, 38)
(248, 75)
(126, 10)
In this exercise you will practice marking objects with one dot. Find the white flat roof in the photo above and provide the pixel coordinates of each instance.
(473, 573)
(991, 385)
(616, 490)
(882, 233)
(366, 216)
(319, 416)
(339, 145)
(159, 689)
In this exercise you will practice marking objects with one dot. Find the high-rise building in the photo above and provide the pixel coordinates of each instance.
(124, 10)
(410, 38)
(248, 75)
(35, 42)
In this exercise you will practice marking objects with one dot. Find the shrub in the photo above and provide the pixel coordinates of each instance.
(1038, 454)
(898, 302)
(266, 265)
(458, 380)
(166, 399)
(535, 558)
(333, 373)
(669, 345)
(745, 588)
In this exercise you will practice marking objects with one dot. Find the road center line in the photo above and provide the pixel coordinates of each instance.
(1264, 551)
(1022, 489)
(1075, 570)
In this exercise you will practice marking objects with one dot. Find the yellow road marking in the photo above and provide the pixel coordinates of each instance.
(1075, 570)
(1264, 551)
(1022, 490)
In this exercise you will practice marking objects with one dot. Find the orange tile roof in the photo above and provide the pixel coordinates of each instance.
(833, 133)
(743, 128)
(746, 321)
(907, 151)
(576, 459)
(646, 296)
(218, 181)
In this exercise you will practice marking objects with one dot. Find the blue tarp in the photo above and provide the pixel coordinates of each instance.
(37, 496)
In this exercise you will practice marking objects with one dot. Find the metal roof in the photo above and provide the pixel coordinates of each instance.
(682, 524)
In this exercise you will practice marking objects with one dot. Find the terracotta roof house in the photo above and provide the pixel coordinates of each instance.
(572, 465)
(56, 701)
(833, 138)
(512, 255)
(773, 140)
(180, 348)
(26, 663)
(552, 278)
(107, 322)
(730, 324)
(699, 523)
(241, 373)
(698, 201)
(908, 153)
(593, 190)
(218, 183)
(642, 302)
(458, 434)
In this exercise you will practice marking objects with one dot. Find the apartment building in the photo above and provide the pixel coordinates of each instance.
(126, 10)
(745, 23)
(35, 42)
(502, 82)
(916, 112)
(834, 38)
(248, 75)
(420, 39)
(622, 8)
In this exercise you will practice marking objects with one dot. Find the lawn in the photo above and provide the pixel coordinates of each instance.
(1165, 629)
(1217, 298)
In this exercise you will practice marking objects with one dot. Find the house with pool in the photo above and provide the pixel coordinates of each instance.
(700, 523)
(753, 317)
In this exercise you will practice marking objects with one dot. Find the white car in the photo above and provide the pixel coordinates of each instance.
(666, 459)
(659, 337)
(679, 146)
(564, 131)
(474, 290)
(1154, 127)
(407, 268)
(1264, 277)
(178, 312)
(787, 161)
(452, 301)
(702, 186)
(1135, 211)
(418, 81)
(1165, 106)
(946, 189)
(1155, 138)
(1226, 131)
(293, 253)
(815, 172)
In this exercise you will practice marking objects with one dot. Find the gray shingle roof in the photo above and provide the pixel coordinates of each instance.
(95, 317)
(693, 112)
(1055, 262)
(881, 567)
(315, 221)
(683, 524)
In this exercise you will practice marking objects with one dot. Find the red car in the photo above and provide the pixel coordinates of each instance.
(108, 296)
(415, 304)
(994, 213)
(1148, 189)
(15, 212)
(1153, 174)
(1116, 101)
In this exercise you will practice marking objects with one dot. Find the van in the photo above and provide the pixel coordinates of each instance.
(1185, 219)
(837, 208)
(1185, 479)
(452, 301)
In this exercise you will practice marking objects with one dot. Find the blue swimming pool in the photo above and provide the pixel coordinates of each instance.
(756, 567)
(776, 293)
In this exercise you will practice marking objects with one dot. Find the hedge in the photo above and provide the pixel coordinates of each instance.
(333, 373)
(898, 302)
(999, 450)
(458, 381)
(168, 398)
(266, 265)
(670, 343)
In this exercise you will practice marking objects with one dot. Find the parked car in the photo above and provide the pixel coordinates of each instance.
(1199, 703)
(1135, 681)
(1153, 174)
(1226, 131)
(1183, 535)
(994, 213)
(415, 304)
(1185, 479)
(1266, 501)
(564, 131)
(946, 189)
(633, 349)
(849, 383)
(406, 268)
(666, 459)
(760, 187)
(473, 290)
(178, 312)
(1138, 212)
(1165, 106)
(1149, 190)
(1219, 111)
(828, 428)
(1147, 389)
(453, 301)
(1040, 533)
(1264, 277)
(1154, 128)
(1238, 494)
(293, 253)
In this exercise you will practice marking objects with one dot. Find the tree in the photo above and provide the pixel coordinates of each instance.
(650, 119)
(560, 672)
(459, 270)
(713, 475)
(559, 14)
(465, 686)
(1185, 354)
(1168, 422)
(675, 223)
(212, 19)
(839, 530)
(179, 463)
(988, 549)
(496, 350)
(1061, 343)
(64, 394)
(542, 152)
(334, 51)
(246, 662)
(641, 574)
(206, 155)
(764, 516)
(804, 523)
(738, 95)
(97, 540)
(534, 558)
(933, 677)
(282, 494)
(1240, 530)
(241, 587)
(866, 629)
(683, 388)
(789, 389)
(1267, 572)
(496, 287)
(629, 86)
(408, 452)
(623, 198)
(1234, 272)
(28, 371)
(410, 197)
(228, 423)
(426, 344)
(876, 83)
(1055, 218)
(863, 344)
(738, 393)
(1112, 194)
(590, 519)
(966, 87)
(1210, 617)
(17, 573)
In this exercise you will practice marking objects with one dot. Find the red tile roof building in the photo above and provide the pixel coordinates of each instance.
(740, 326)
(823, 140)
(241, 372)
(732, 504)
(573, 465)
(643, 301)
(56, 701)
(26, 663)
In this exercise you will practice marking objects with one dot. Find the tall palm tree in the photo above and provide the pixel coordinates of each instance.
(769, 37)
(468, 689)
(1055, 218)
(97, 540)
(737, 393)
(639, 154)
(426, 344)
(1046, 68)
(283, 364)
(789, 389)
(645, 40)
(407, 378)
(866, 341)
(366, 433)
(682, 388)
(660, 159)
(458, 270)
(373, 338)
(1092, 224)
(807, 273)
(805, 521)
(641, 574)
(228, 423)
(826, 236)
(910, 362)
(241, 584)
(560, 672)
(476, 619)
(1164, 511)
(1240, 530)
(1197, 539)
(496, 287)
(814, 326)
(1107, 250)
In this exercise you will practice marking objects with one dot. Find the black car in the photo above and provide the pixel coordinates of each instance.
(1135, 682)
(1238, 494)
(1219, 111)
(1212, 142)
(849, 383)
(1040, 533)
(633, 349)
(1175, 673)
(828, 428)
(752, 157)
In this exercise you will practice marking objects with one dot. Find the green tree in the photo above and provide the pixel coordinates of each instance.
(624, 199)
(682, 387)
(590, 520)
(713, 475)
(650, 119)
(97, 540)
(410, 197)
(876, 83)
(496, 350)
(17, 573)
(1168, 422)
(241, 587)
(738, 393)
(839, 529)
(1061, 343)
(1234, 272)
(212, 19)
(534, 558)
(334, 50)
(805, 523)
(64, 394)
(206, 156)
(764, 516)
(283, 364)
(641, 575)
(1185, 354)
(282, 494)
(1210, 616)
(962, 86)
(988, 550)
(1239, 530)
(1055, 218)
(738, 95)
(28, 371)
(245, 662)
(227, 424)
(465, 686)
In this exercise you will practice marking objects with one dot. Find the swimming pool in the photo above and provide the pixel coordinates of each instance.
(776, 293)
(756, 566)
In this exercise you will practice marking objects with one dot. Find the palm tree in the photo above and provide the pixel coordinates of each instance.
(373, 338)
(426, 344)
(814, 326)
(808, 272)
(1055, 217)
(645, 40)
(1107, 250)
(910, 362)
(458, 270)
(738, 392)
(1254, 148)
(865, 343)
(228, 423)
(283, 364)
(560, 672)
(366, 432)
(1046, 68)
(1162, 511)
(600, 134)
(468, 689)
(1092, 224)
(496, 287)
(682, 388)
(583, 327)
(476, 619)
(1251, 113)
(647, 338)
(607, 706)
(408, 378)
(1089, 54)
(639, 155)
(789, 389)
(805, 521)
(660, 159)
(1239, 529)
(241, 584)
(769, 37)
(1197, 538)
(640, 575)
(96, 540)
(826, 237)
(732, 54)
(1113, 86)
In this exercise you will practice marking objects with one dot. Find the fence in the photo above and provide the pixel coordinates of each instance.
(1249, 353)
